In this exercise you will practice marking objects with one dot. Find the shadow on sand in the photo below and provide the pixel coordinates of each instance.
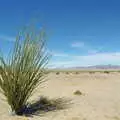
(43, 105)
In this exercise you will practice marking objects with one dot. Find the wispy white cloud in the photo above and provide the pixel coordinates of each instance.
(78, 44)
(7, 38)
(85, 47)
(88, 60)
(59, 54)
(92, 51)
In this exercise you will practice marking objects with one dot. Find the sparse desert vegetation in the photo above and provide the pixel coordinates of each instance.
(92, 72)
(82, 96)
(107, 72)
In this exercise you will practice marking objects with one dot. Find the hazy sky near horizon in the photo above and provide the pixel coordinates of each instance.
(79, 32)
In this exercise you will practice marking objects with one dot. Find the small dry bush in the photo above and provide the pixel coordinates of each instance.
(107, 72)
(91, 72)
(57, 73)
(77, 92)
(67, 73)
(76, 72)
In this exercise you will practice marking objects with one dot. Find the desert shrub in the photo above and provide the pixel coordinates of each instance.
(24, 69)
(107, 72)
(57, 73)
(91, 72)
(76, 72)
(67, 73)
(77, 92)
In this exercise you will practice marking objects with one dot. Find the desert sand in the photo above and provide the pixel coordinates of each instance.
(100, 99)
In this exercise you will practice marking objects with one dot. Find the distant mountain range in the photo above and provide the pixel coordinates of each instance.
(99, 67)
(102, 67)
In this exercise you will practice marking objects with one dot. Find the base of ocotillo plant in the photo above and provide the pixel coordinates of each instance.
(20, 112)
(14, 116)
(12, 113)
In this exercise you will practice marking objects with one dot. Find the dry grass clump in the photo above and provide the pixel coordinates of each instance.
(57, 73)
(92, 72)
(24, 69)
(77, 92)
(76, 73)
(107, 72)
(67, 73)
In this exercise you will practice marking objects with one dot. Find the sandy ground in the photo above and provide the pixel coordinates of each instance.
(100, 99)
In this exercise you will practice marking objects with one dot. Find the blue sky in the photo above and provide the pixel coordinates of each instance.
(79, 32)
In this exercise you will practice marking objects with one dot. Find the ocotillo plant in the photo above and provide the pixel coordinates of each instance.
(24, 69)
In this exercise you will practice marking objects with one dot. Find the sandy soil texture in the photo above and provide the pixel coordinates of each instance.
(100, 99)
